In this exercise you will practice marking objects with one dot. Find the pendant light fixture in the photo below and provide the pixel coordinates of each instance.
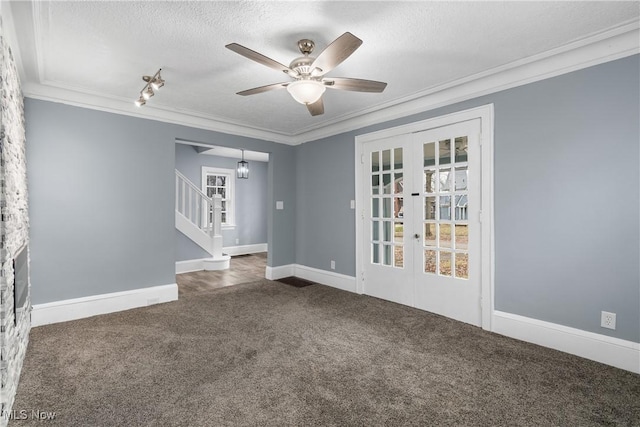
(243, 168)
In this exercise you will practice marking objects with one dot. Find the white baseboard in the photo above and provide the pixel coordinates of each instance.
(329, 278)
(245, 249)
(189, 265)
(79, 308)
(275, 273)
(601, 348)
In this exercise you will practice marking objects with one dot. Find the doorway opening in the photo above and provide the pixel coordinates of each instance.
(240, 204)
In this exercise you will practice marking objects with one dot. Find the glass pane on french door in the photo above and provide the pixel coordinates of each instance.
(445, 214)
(386, 192)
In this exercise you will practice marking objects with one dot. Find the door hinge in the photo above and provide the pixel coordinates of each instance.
(480, 216)
(362, 276)
(362, 159)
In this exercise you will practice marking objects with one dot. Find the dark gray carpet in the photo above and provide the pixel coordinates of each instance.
(271, 354)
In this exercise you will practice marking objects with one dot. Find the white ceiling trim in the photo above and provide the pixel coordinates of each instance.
(235, 154)
(220, 151)
(40, 10)
(606, 46)
(64, 95)
(11, 35)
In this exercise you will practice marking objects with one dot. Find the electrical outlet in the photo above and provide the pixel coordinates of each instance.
(237, 241)
(333, 265)
(608, 320)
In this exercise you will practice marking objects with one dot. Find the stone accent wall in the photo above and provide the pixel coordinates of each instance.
(14, 226)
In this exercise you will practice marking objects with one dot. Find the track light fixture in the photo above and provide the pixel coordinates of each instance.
(148, 93)
(154, 82)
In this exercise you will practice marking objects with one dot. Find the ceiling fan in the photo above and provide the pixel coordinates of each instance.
(308, 72)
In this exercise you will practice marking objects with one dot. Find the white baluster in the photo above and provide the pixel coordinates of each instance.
(190, 204)
(209, 216)
(217, 214)
(198, 212)
(184, 184)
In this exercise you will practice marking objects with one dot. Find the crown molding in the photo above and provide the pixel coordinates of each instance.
(69, 96)
(603, 47)
(9, 32)
(609, 45)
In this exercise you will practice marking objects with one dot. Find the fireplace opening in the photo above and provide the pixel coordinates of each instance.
(21, 281)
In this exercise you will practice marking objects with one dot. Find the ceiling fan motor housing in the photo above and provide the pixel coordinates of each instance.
(302, 65)
(306, 46)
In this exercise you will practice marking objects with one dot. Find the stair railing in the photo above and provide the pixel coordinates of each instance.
(202, 211)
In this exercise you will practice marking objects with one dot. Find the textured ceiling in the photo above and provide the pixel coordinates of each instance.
(103, 48)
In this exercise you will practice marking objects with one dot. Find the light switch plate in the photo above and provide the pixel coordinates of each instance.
(279, 205)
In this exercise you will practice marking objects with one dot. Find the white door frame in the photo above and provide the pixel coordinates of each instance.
(485, 114)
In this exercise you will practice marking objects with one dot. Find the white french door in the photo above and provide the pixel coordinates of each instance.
(421, 231)
(388, 260)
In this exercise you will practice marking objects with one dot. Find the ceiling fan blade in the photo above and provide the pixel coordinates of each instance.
(260, 58)
(316, 108)
(339, 50)
(261, 89)
(356, 85)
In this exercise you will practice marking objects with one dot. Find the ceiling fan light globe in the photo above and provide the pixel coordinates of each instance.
(306, 91)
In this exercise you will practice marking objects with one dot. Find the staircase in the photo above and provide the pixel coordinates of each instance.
(199, 218)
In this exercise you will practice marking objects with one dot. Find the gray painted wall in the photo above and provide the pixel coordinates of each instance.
(96, 179)
(186, 249)
(250, 195)
(325, 227)
(99, 222)
(566, 198)
(102, 199)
